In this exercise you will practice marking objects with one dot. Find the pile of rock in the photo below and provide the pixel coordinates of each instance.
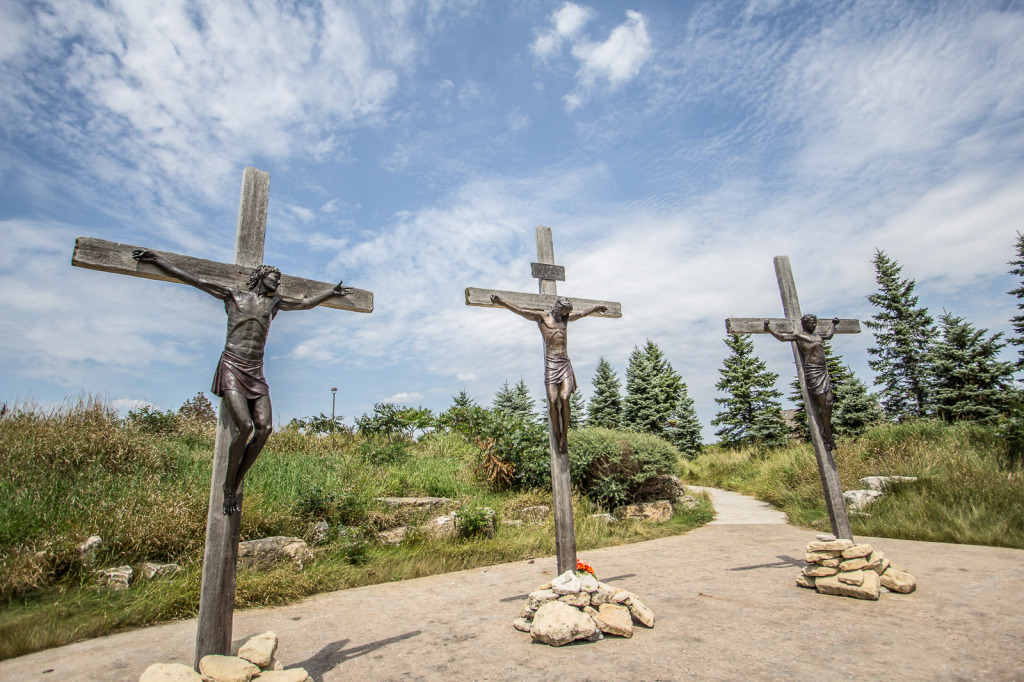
(576, 605)
(255, 661)
(843, 568)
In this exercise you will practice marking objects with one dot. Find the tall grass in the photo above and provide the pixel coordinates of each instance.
(81, 471)
(968, 491)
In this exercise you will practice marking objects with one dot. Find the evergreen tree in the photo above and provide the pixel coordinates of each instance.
(652, 389)
(968, 380)
(577, 410)
(606, 403)
(683, 427)
(462, 401)
(751, 413)
(1018, 293)
(855, 409)
(903, 333)
(516, 400)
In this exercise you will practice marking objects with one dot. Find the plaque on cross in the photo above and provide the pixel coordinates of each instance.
(806, 333)
(552, 314)
(253, 294)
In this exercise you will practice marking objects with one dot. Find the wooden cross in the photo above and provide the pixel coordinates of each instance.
(220, 559)
(826, 462)
(548, 273)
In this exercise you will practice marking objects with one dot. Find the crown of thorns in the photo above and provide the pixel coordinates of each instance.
(258, 273)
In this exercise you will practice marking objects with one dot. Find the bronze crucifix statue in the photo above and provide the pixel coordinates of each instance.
(239, 377)
(559, 379)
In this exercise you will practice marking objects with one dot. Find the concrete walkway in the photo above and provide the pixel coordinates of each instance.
(733, 508)
(726, 603)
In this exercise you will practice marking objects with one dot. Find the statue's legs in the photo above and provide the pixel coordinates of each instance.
(253, 421)
(263, 424)
(555, 414)
(824, 405)
(566, 406)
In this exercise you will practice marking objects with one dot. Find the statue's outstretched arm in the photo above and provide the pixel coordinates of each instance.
(781, 336)
(830, 331)
(314, 301)
(587, 311)
(215, 290)
(532, 315)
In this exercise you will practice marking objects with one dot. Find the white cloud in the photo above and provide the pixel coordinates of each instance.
(402, 398)
(611, 62)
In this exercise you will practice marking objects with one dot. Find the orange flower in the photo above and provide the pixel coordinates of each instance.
(584, 566)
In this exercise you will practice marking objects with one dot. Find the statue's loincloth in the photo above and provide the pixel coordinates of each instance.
(559, 370)
(235, 373)
(817, 379)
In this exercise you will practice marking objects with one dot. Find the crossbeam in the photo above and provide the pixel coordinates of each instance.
(482, 298)
(107, 256)
(755, 325)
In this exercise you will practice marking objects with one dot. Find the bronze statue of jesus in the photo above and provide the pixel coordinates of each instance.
(559, 379)
(239, 376)
(812, 350)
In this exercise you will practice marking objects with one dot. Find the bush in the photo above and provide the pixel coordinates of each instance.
(320, 423)
(612, 467)
(148, 419)
(473, 521)
(513, 453)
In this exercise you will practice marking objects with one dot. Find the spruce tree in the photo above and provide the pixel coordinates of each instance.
(462, 401)
(903, 333)
(577, 410)
(751, 413)
(855, 409)
(1018, 320)
(968, 381)
(683, 428)
(606, 403)
(652, 389)
(516, 400)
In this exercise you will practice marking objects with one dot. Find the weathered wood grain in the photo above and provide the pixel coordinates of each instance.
(100, 254)
(482, 298)
(755, 325)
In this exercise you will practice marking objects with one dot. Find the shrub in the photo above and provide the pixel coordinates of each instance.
(473, 521)
(148, 419)
(612, 467)
(320, 423)
(512, 452)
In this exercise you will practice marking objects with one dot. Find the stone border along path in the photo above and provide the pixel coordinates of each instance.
(726, 603)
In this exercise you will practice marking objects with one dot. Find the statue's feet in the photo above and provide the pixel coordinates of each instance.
(232, 502)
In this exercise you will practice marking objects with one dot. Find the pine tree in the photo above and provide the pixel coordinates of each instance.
(683, 427)
(903, 333)
(751, 412)
(606, 403)
(855, 409)
(516, 400)
(462, 401)
(968, 381)
(652, 389)
(577, 410)
(1018, 293)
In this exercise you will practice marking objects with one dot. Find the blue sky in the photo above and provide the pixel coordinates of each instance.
(674, 148)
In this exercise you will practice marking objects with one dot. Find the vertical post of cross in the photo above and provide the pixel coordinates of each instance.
(220, 558)
(827, 469)
(561, 481)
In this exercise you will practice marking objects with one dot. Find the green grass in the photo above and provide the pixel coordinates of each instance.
(966, 493)
(81, 472)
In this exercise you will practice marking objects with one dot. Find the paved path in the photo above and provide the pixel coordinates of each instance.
(726, 603)
(733, 508)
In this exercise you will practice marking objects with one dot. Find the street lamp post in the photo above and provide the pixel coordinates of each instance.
(334, 394)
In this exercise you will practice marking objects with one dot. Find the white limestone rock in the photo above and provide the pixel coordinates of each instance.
(868, 589)
(824, 537)
(289, 675)
(558, 624)
(603, 594)
(522, 624)
(899, 580)
(320, 532)
(577, 599)
(534, 601)
(607, 518)
(394, 536)
(884, 483)
(567, 583)
(615, 619)
(152, 570)
(658, 511)
(852, 578)
(259, 649)
(857, 551)
(227, 668)
(442, 527)
(265, 552)
(88, 549)
(857, 500)
(853, 564)
(119, 578)
(829, 545)
(805, 581)
(170, 672)
(814, 571)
